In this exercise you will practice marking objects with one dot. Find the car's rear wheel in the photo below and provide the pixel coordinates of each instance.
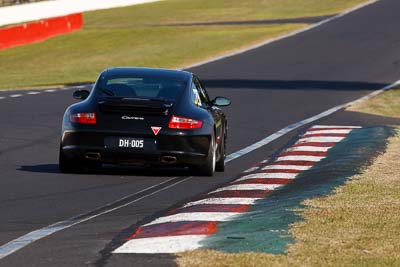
(208, 168)
(92, 166)
(74, 166)
(67, 165)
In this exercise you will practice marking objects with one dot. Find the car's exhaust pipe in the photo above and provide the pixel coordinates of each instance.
(93, 155)
(168, 159)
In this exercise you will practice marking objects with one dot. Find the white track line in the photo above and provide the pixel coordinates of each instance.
(304, 122)
(264, 175)
(196, 216)
(29, 238)
(239, 187)
(309, 148)
(223, 201)
(50, 90)
(300, 158)
(2, 97)
(15, 95)
(164, 244)
(80, 86)
(33, 93)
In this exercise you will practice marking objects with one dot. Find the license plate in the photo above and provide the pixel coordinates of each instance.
(137, 143)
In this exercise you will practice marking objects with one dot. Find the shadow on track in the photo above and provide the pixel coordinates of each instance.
(293, 84)
(169, 175)
(314, 19)
(113, 170)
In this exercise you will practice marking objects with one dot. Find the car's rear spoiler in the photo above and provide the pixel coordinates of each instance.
(136, 105)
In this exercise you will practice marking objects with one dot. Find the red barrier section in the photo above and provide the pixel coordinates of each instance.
(38, 31)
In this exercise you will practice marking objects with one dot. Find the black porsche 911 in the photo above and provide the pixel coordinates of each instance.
(144, 116)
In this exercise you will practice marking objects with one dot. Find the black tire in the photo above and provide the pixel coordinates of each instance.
(66, 165)
(208, 168)
(220, 165)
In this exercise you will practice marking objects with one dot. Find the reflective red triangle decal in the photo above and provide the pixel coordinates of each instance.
(155, 130)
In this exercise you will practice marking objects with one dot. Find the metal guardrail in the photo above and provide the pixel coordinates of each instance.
(16, 2)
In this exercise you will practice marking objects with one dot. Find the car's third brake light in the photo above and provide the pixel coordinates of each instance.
(184, 123)
(83, 118)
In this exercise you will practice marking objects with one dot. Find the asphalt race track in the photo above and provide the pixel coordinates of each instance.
(270, 88)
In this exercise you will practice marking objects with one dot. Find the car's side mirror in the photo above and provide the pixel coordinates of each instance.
(221, 101)
(81, 94)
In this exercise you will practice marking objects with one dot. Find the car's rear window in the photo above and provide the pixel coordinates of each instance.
(141, 87)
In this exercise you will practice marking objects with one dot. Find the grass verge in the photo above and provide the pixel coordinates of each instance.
(139, 36)
(386, 104)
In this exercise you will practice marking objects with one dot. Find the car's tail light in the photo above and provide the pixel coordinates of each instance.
(184, 123)
(83, 118)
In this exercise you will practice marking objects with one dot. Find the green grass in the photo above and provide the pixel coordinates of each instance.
(357, 225)
(386, 104)
(133, 36)
(180, 11)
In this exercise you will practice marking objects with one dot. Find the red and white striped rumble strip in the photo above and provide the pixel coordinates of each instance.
(264, 175)
(286, 167)
(321, 139)
(224, 201)
(330, 131)
(324, 127)
(237, 187)
(185, 228)
(308, 148)
(195, 216)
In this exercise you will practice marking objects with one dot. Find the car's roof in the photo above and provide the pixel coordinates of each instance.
(162, 73)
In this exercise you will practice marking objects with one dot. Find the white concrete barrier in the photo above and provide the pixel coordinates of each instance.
(48, 9)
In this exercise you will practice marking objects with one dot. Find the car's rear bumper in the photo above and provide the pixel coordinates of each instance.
(100, 154)
(167, 149)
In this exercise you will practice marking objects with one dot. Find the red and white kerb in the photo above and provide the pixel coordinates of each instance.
(185, 228)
